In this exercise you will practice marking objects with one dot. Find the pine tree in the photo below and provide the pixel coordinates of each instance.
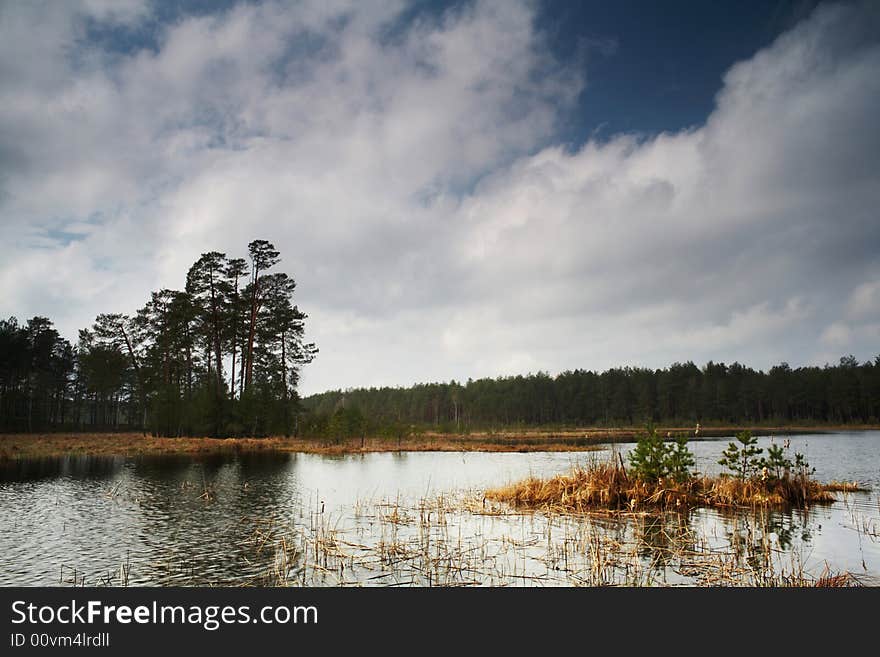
(743, 459)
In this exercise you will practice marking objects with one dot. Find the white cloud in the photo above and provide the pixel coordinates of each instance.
(408, 174)
(864, 302)
(837, 334)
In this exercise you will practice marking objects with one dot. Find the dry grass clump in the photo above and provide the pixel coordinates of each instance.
(608, 486)
(796, 491)
(599, 485)
(839, 580)
(844, 487)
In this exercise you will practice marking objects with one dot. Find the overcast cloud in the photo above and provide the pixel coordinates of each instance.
(411, 176)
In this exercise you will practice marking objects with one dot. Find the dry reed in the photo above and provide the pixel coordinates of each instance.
(607, 485)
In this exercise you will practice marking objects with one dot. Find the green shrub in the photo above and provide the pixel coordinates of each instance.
(801, 467)
(679, 460)
(778, 466)
(652, 459)
(743, 460)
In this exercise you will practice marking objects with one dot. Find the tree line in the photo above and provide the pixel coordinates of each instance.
(845, 393)
(220, 357)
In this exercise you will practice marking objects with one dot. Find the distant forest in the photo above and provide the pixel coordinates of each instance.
(220, 357)
(846, 393)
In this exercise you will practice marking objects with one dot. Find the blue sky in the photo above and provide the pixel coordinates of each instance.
(656, 66)
(460, 189)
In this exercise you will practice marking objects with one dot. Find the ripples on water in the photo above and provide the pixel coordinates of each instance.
(218, 520)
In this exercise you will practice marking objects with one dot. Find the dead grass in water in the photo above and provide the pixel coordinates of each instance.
(464, 540)
(473, 542)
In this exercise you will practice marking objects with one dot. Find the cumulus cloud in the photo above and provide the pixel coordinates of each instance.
(407, 170)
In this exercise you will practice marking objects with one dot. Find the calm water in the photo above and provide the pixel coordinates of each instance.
(174, 520)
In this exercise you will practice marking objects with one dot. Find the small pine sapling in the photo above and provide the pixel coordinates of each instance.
(743, 460)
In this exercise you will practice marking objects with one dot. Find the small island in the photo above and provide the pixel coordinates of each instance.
(660, 477)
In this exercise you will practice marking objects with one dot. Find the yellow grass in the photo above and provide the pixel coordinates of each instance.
(15, 446)
(608, 486)
(844, 487)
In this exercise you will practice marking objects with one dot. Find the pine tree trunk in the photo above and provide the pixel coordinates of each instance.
(252, 330)
(284, 386)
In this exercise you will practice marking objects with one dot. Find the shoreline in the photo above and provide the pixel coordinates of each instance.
(24, 446)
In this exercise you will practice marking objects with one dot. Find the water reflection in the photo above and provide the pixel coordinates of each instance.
(75, 466)
(263, 517)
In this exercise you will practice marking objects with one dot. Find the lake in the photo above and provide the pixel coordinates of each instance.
(408, 519)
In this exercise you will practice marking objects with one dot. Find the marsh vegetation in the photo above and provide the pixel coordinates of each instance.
(661, 477)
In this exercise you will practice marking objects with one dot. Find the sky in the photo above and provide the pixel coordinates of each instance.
(460, 189)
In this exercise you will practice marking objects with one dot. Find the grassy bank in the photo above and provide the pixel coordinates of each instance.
(17, 446)
(128, 444)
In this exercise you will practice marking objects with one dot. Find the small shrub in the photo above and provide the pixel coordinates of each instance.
(679, 460)
(801, 467)
(652, 459)
(648, 458)
(743, 460)
(778, 466)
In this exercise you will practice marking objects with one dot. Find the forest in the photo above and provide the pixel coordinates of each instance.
(682, 394)
(220, 357)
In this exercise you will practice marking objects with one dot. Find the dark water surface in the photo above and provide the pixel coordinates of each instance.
(213, 520)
